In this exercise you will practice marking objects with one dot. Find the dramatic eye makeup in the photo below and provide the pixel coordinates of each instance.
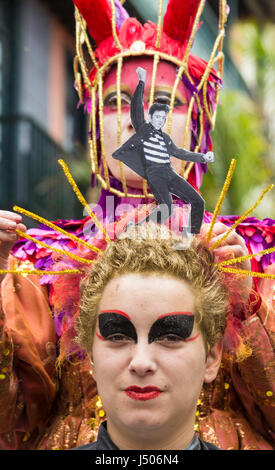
(172, 326)
(111, 99)
(175, 324)
(164, 97)
(161, 96)
(115, 322)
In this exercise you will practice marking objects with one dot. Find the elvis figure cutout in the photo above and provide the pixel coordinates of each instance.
(148, 152)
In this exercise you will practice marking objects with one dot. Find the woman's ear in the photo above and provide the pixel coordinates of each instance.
(213, 361)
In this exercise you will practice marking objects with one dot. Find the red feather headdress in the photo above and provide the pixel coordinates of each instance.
(179, 19)
(133, 38)
(118, 37)
(98, 16)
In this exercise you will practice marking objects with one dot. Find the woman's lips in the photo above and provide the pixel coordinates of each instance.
(142, 394)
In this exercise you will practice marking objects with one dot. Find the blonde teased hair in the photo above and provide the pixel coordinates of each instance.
(153, 251)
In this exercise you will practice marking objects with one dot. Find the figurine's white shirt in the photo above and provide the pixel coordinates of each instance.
(155, 149)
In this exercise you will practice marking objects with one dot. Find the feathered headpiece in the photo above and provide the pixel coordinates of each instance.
(118, 37)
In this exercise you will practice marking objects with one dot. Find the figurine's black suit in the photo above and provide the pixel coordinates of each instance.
(161, 177)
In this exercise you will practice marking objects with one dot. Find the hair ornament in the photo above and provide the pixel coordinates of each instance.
(223, 265)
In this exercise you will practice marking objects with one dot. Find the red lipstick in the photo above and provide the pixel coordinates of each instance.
(142, 393)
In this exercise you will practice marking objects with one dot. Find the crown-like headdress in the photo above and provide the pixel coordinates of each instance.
(118, 37)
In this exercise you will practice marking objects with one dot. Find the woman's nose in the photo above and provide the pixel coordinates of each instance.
(142, 361)
(126, 122)
(130, 125)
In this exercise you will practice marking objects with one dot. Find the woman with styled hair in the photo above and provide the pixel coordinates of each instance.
(152, 321)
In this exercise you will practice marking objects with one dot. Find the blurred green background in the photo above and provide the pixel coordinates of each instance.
(245, 127)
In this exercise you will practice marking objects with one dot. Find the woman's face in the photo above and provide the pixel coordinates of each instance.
(165, 78)
(149, 359)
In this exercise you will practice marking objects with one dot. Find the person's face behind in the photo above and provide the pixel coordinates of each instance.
(165, 78)
(158, 119)
(146, 337)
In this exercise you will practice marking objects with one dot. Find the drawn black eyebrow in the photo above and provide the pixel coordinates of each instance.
(111, 323)
(179, 324)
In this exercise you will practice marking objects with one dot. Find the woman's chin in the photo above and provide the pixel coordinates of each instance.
(135, 183)
(132, 180)
(143, 424)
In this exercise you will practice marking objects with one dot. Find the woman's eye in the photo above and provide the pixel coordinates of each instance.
(169, 338)
(111, 100)
(165, 99)
(162, 99)
(118, 338)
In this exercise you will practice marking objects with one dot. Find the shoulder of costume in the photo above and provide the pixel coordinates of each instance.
(259, 235)
(41, 257)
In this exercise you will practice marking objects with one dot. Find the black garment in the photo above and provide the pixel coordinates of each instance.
(161, 178)
(132, 153)
(104, 442)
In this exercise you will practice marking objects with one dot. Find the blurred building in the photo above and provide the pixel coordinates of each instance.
(39, 119)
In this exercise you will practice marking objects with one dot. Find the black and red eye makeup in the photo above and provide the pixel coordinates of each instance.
(179, 324)
(114, 322)
(117, 322)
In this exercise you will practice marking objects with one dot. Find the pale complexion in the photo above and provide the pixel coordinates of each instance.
(142, 357)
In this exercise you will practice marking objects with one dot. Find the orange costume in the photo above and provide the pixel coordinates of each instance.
(45, 407)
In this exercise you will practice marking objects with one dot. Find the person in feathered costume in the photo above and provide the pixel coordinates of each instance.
(44, 407)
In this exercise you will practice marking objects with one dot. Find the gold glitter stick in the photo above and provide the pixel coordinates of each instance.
(240, 219)
(222, 196)
(157, 44)
(118, 94)
(153, 81)
(43, 221)
(243, 272)
(78, 79)
(184, 69)
(81, 36)
(92, 129)
(38, 272)
(82, 199)
(220, 56)
(185, 169)
(245, 258)
(101, 128)
(56, 250)
(81, 59)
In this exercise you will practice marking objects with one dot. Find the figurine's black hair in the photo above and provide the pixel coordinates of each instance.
(158, 107)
